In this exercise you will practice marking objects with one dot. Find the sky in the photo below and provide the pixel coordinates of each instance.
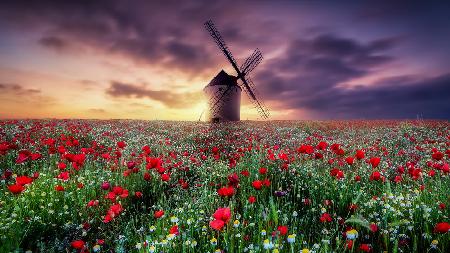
(151, 59)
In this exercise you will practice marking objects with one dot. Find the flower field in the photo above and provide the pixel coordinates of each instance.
(287, 186)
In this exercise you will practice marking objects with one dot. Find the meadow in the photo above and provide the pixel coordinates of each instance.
(276, 186)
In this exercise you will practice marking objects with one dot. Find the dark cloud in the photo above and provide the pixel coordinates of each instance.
(17, 89)
(168, 98)
(169, 34)
(53, 43)
(313, 71)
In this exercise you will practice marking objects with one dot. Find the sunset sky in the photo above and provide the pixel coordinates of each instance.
(151, 59)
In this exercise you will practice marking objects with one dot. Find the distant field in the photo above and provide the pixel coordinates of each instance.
(155, 186)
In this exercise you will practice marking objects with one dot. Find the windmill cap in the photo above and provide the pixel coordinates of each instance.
(223, 79)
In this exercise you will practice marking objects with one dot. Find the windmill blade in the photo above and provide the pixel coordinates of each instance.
(247, 88)
(259, 105)
(251, 62)
(211, 28)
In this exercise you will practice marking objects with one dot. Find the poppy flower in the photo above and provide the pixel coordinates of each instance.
(23, 180)
(233, 180)
(158, 214)
(251, 199)
(59, 188)
(257, 184)
(374, 161)
(437, 156)
(349, 160)
(226, 191)
(78, 244)
(442, 227)
(266, 182)
(121, 144)
(146, 149)
(283, 230)
(373, 227)
(325, 217)
(174, 230)
(375, 176)
(217, 224)
(61, 165)
(64, 176)
(365, 247)
(262, 171)
(147, 176)
(106, 185)
(360, 154)
(16, 188)
(322, 145)
(245, 173)
(165, 177)
(23, 156)
(223, 214)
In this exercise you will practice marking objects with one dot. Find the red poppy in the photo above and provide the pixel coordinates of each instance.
(322, 145)
(138, 194)
(217, 224)
(226, 191)
(233, 180)
(365, 247)
(245, 173)
(262, 171)
(375, 176)
(23, 156)
(61, 165)
(165, 177)
(147, 176)
(158, 214)
(360, 154)
(121, 144)
(337, 173)
(174, 230)
(283, 230)
(106, 185)
(349, 160)
(59, 188)
(257, 184)
(251, 199)
(63, 176)
(349, 244)
(442, 227)
(373, 227)
(23, 180)
(437, 156)
(325, 217)
(223, 214)
(78, 244)
(16, 188)
(374, 161)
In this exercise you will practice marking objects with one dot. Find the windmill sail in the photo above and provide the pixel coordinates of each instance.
(218, 100)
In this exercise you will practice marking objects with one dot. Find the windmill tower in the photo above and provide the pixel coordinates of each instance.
(224, 91)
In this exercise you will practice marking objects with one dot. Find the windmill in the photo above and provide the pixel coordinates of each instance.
(224, 91)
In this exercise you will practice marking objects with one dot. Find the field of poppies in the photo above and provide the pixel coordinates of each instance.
(282, 186)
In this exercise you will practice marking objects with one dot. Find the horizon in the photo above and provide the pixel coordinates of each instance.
(150, 61)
